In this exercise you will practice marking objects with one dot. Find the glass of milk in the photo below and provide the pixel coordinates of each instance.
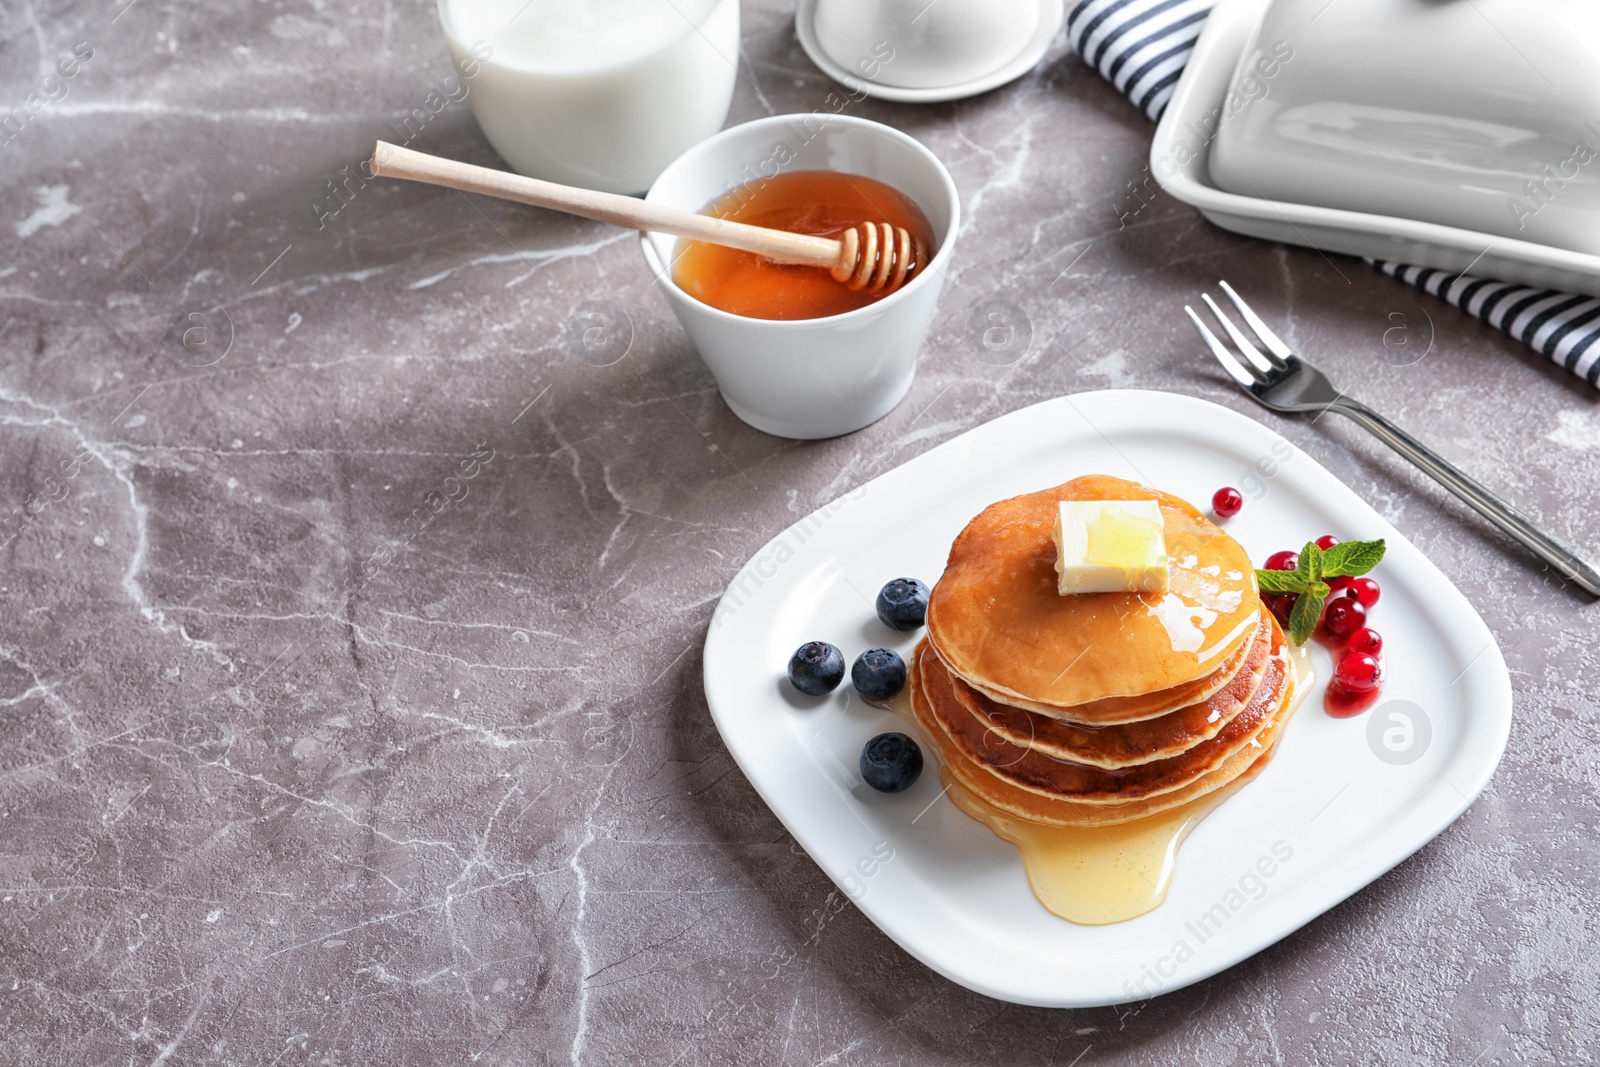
(597, 93)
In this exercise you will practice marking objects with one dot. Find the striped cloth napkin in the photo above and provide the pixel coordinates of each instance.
(1141, 46)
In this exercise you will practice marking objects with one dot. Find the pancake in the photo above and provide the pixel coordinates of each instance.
(1034, 771)
(1060, 811)
(1114, 711)
(997, 620)
(1128, 744)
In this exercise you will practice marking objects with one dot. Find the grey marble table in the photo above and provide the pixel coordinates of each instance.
(350, 640)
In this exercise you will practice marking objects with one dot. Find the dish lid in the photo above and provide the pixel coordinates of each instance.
(1480, 114)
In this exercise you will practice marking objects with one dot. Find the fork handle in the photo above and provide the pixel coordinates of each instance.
(1566, 562)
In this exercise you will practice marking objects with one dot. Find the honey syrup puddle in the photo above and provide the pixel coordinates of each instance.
(1100, 875)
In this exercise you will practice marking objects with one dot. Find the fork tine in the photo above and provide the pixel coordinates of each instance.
(1251, 352)
(1273, 342)
(1234, 368)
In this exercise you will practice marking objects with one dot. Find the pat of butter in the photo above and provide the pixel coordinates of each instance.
(1110, 546)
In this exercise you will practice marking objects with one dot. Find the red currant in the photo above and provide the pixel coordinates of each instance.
(1283, 561)
(1344, 616)
(1364, 642)
(1358, 673)
(1327, 541)
(1226, 502)
(1365, 590)
(1338, 583)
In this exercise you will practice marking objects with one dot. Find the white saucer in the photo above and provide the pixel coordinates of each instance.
(1051, 14)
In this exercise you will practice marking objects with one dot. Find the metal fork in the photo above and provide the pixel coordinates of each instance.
(1282, 381)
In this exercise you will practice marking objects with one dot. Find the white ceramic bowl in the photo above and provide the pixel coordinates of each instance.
(810, 378)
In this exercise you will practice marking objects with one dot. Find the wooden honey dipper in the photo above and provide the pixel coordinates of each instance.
(874, 256)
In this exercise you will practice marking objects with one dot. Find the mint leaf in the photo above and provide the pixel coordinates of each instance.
(1310, 568)
(1303, 620)
(1280, 582)
(1350, 559)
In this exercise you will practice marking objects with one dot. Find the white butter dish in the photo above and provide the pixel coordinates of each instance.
(1220, 89)
(1481, 115)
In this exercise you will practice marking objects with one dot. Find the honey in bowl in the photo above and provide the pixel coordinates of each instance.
(821, 203)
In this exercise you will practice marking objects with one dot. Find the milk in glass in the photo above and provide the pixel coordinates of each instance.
(598, 93)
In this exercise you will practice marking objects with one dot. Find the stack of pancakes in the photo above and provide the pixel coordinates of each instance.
(1098, 708)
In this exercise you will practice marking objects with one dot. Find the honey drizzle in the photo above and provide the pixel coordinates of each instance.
(1100, 875)
(1103, 874)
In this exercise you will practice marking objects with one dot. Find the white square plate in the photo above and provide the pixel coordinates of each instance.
(1343, 801)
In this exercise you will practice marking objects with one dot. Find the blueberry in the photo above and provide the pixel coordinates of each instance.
(816, 668)
(878, 674)
(890, 763)
(903, 604)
